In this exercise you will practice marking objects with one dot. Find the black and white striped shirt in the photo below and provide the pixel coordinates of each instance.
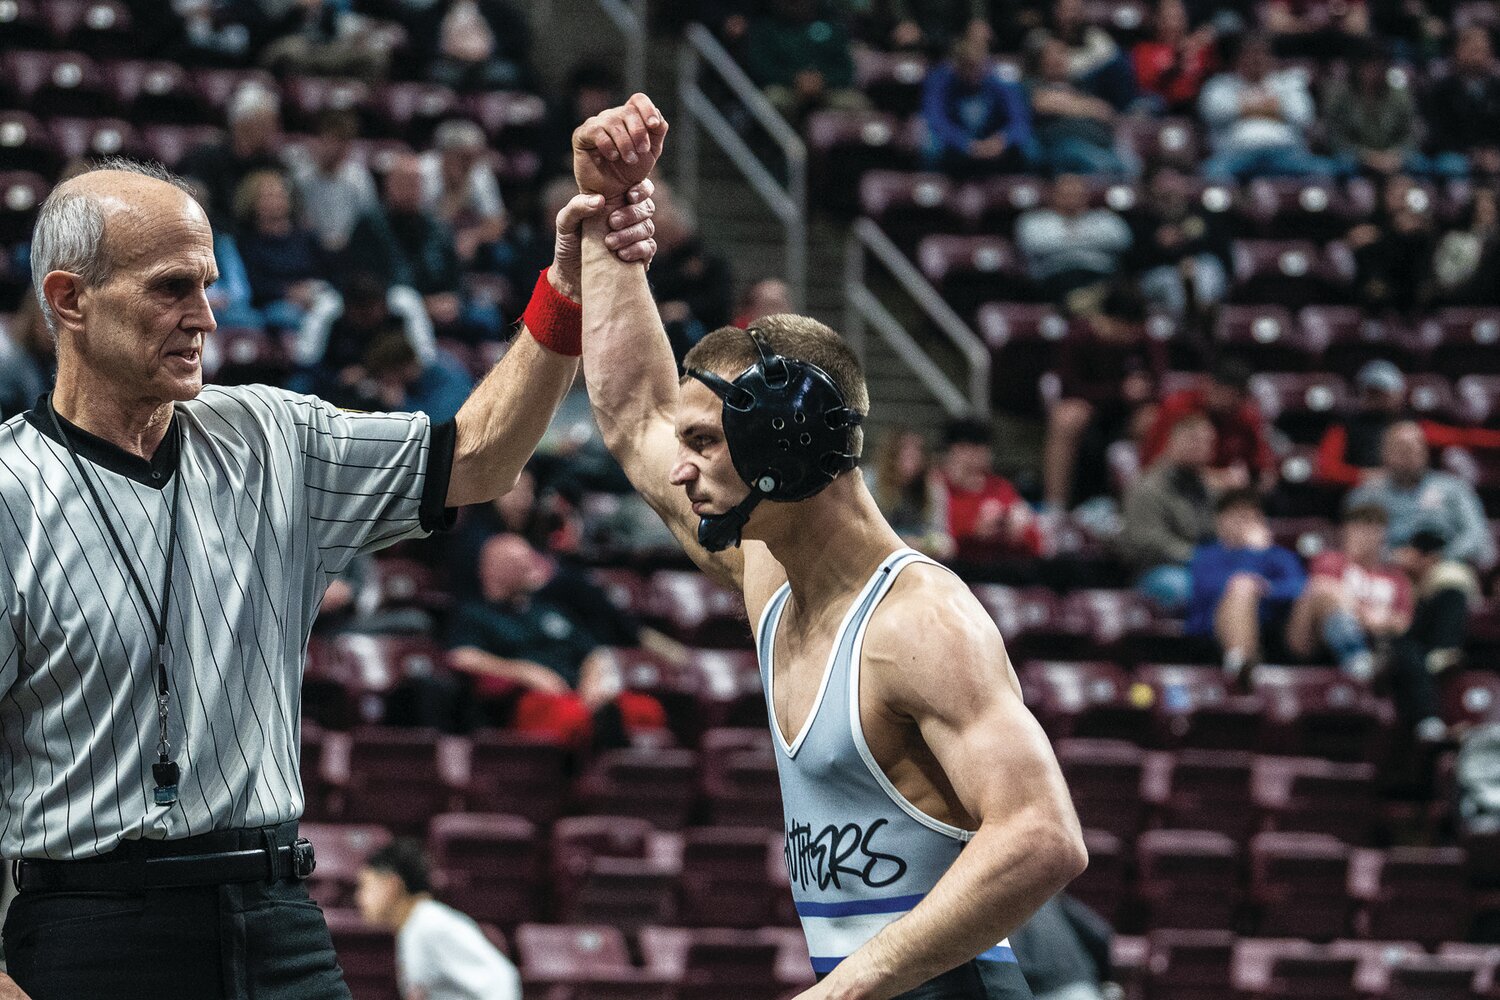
(279, 492)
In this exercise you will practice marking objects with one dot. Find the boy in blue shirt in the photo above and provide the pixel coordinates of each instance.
(1243, 586)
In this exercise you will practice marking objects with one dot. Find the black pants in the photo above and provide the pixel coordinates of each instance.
(974, 981)
(240, 941)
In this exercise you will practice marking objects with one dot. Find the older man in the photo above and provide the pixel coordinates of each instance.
(163, 552)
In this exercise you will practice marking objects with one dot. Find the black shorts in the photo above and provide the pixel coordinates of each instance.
(975, 980)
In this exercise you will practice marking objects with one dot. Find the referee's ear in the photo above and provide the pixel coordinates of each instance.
(62, 290)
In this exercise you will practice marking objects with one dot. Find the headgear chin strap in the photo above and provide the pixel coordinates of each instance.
(789, 432)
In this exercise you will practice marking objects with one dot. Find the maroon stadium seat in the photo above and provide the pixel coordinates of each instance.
(1430, 396)
(170, 143)
(1302, 405)
(627, 892)
(410, 111)
(1471, 697)
(1299, 493)
(487, 865)
(101, 28)
(697, 610)
(159, 92)
(1023, 339)
(655, 785)
(21, 195)
(1311, 977)
(1202, 790)
(1293, 273)
(1464, 341)
(570, 952)
(407, 583)
(218, 86)
(81, 138)
(1104, 777)
(1092, 696)
(1300, 208)
(1187, 878)
(845, 144)
(1194, 708)
(57, 83)
(1017, 612)
(366, 954)
(1267, 337)
(244, 354)
(1102, 884)
(908, 206)
(969, 270)
(714, 963)
(1434, 977)
(1318, 712)
(1299, 882)
(395, 778)
(740, 783)
(1478, 399)
(993, 205)
(626, 588)
(341, 850)
(1313, 795)
(725, 879)
(25, 144)
(24, 27)
(1350, 338)
(892, 80)
(1419, 893)
(518, 774)
(1189, 964)
(305, 97)
(512, 119)
(1173, 142)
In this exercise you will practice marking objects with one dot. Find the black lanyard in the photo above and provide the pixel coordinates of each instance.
(165, 770)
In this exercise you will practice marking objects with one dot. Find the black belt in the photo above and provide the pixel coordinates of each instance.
(293, 861)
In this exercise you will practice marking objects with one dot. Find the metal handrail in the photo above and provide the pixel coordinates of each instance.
(863, 306)
(787, 202)
(629, 17)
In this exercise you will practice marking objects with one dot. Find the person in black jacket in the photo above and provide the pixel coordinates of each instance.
(1445, 591)
(1464, 107)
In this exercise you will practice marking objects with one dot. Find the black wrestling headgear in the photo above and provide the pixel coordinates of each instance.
(789, 433)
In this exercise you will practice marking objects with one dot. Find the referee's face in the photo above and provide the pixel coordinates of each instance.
(145, 326)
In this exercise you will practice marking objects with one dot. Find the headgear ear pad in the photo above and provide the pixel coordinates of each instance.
(789, 431)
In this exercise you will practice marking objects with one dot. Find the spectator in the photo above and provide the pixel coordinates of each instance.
(1373, 123)
(1350, 451)
(1354, 604)
(1168, 513)
(1064, 950)
(402, 382)
(1242, 585)
(1258, 118)
(1181, 249)
(1467, 258)
(533, 509)
(1075, 131)
(1173, 63)
(539, 629)
(334, 189)
(326, 38)
(694, 285)
(1464, 106)
(28, 359)
(1107, 373)
(936, 26)
(1447, 590)
(986, 516)
(1315, 30)
(283, 262)
(798, 52)
(904, 488)
(1393, 251)
(766, 297)
(481, 45)
(1243, 455)
(1417, 497)
(459, 188)
(441, 954)
(254, 115)
(1069, 248)
(1095, 64)
(977, 123)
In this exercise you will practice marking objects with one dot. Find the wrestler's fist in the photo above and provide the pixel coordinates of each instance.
(616, 150)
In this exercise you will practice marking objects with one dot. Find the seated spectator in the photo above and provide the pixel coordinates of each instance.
(1393, 251)
(459, 188)
(402, 382)
(1173, 63)
(1243, 586)
(1070, 248)
(1075, 131)
(1354, 603)
(903, 485)
(766, 297)
(1467, 257)
(536, 511)
(1258, 118)
(481, 45)
(28, 359)
(326, 38)
(1463, 114)
(283, 261)
(440, 952)
(334, 189)
(1374, 126)
(1315, 30)
(977, 123)
(1446, 590)
(1242, 456)
(1168, 513)
(797, 51)
(936, 26)
(1095, 63)
(1180, 249)
(694, 284)
(538, 629)
(1107, 373)
(986, 516)
(254, 115)
(1418, 497)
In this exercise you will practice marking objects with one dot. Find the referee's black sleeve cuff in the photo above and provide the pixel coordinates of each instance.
(435, 514)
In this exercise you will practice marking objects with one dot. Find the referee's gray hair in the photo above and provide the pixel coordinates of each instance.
(69, 232)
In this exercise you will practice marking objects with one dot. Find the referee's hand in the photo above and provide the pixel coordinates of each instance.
(630, 237)
(9, 990)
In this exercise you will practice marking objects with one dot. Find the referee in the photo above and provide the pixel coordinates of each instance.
(163, 549)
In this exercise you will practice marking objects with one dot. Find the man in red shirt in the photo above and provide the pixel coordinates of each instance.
(987, 518)
(1243, 456)
(1354, 600)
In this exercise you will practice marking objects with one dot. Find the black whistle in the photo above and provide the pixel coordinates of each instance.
(166, 773)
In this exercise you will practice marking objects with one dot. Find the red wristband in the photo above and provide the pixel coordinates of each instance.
(555, 320)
